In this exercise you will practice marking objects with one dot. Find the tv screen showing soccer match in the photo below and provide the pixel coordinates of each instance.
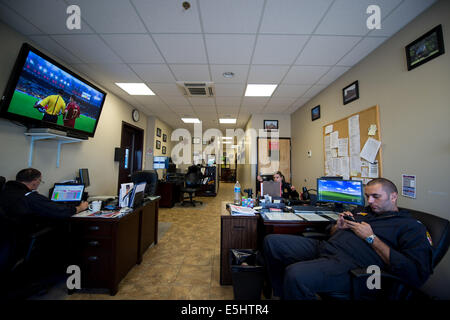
(44, 93)
(340, 191)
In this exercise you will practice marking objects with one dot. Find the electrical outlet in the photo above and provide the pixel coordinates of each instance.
(309, 153)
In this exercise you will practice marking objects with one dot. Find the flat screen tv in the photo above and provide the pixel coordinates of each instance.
(41, 93)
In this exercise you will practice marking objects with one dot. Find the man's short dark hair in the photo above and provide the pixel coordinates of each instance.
(387, 185)
(28, 175)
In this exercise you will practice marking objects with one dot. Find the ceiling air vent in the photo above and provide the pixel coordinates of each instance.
(196, 88)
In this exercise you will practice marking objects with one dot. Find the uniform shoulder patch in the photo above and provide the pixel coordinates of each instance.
(429, 238)
(362, 213)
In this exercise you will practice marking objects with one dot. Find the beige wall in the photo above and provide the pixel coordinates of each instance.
(96, 154)
(414, 119)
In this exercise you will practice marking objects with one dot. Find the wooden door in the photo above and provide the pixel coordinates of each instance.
(274, 155)
(132, 141)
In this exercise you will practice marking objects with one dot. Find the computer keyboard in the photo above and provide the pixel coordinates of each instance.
(310, 208)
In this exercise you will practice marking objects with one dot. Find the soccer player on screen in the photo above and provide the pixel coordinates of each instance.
(72, 113)
(55, 106)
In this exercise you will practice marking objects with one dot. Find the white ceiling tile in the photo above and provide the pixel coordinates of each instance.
(54, 48)
(202, 110)
(262, 74)
(229, 90)
(228, 109)
(202, 101)
(314, 90)
(176, 101)
(229, 49)
(281, 103)
(181, 48)
(349, 17)
(134, 48)
(228, 101)
(293, 16)
(114, 72)
(290, 91)
(361, 50)
(190, 72)
(89, 48)
(110, 16)
(304, 74)
(254, 101)
(278, 49)
(231, 16)
(168, 16)
(252, 109)
(240, 73)
(49, 15)
(153, 72)
(13, 19)
(166, 89)
(326, 50)
(332, 75)
(401, 16)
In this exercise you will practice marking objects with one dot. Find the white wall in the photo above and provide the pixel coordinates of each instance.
(414, 119)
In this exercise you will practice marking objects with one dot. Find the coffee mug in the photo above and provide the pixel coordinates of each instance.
(95, 206)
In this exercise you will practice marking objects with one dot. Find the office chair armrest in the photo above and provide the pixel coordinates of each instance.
(40, 233)
(362, 273)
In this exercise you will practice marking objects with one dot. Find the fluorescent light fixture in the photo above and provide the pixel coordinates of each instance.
(190, 120)
(227, 138)
(260, 90)
(226, 142)
(227, 120)
(136, 89)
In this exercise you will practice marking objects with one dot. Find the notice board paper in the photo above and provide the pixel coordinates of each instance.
(370, 149)
(334, 136)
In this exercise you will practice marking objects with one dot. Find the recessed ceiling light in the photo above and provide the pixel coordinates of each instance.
(136, 89)
(227, 120)
(226, 142)
(190, 120)
(260, 90)
(228, 75)
(227, 138)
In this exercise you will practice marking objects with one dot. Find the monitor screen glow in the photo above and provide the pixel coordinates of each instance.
(340, 191)
(67, 192)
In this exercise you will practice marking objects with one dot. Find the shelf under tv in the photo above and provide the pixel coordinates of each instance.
(48, 135)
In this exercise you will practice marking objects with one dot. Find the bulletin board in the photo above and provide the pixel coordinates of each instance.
(347, 158)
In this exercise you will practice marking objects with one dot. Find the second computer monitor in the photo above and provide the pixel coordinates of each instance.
(84, 177)
(340, 191)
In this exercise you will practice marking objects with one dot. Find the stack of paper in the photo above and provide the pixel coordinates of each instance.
(311, 216)
(282, 216)
(241, 211)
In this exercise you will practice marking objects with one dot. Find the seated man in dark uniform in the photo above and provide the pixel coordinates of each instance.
(381, 235)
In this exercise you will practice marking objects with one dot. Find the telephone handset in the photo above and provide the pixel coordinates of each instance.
(305, 194)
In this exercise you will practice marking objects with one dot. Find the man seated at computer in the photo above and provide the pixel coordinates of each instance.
(26, 207)
(381, 234)
(287, 190)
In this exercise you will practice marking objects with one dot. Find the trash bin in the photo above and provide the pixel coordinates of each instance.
(246, 275)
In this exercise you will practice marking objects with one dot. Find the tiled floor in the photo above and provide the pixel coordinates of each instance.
(185, 264)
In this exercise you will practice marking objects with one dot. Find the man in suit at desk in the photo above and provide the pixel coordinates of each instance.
(381, 235)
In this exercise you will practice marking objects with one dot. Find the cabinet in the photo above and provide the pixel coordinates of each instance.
(210, 182)
(236, 232)
(106, 249)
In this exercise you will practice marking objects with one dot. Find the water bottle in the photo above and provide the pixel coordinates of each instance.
(237, 194)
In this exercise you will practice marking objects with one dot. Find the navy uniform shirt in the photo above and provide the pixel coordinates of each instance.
(410, 255)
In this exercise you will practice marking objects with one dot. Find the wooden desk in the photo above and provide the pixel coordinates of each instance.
(248, 232)
(170, 193)
(106, 249)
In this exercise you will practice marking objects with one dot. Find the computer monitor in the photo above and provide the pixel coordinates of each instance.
(340, 191)
(137, 195)
(67, 193)
(148, 176)
(84, 177)
(160, 162)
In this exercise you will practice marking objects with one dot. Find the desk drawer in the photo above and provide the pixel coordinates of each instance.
(92, 229)
(96, 269)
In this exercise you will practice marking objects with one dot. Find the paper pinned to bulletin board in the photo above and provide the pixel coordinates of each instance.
(352, 146)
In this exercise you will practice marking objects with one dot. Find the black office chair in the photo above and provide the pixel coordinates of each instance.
(392, 287)
(148, 176)
(2, 182)
(192, 184)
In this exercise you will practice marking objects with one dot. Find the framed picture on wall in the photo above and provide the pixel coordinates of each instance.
(164, 150)
(425, 48)
(164, 137)
(315, 113)
(270, 125)
(158, 144)
(196, 140)
(350, 93)
(158, 132)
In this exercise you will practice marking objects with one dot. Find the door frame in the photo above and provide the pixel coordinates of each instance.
(290, 155)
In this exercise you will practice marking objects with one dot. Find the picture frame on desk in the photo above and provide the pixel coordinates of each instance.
(350, 93)
(425, 48)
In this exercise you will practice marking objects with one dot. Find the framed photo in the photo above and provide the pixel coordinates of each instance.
(426, 48)
(164, 150)
(270, 125)
(158, 144)
(164, 137)
(350, 93)
(315, 113)
(196, 140)
(158, 132)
